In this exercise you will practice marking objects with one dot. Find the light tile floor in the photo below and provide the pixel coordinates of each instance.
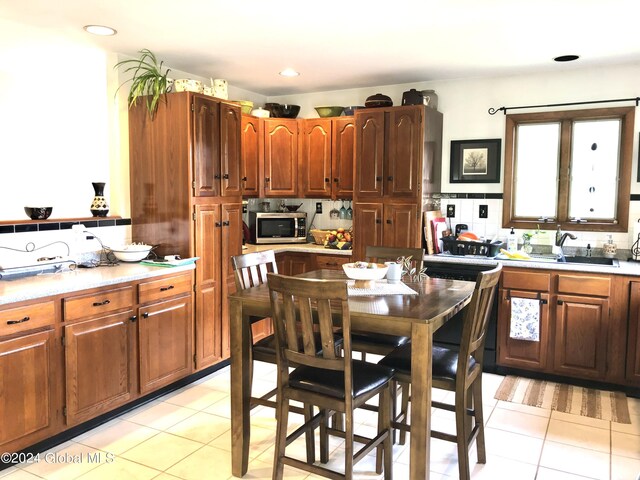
(186, 435)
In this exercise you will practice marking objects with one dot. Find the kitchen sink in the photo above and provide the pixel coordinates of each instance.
(611, 262)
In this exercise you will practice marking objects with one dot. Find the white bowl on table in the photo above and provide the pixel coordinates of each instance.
(365, 277)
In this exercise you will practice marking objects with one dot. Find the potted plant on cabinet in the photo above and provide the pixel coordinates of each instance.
(148, 79)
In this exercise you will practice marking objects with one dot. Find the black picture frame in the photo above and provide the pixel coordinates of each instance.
(475, 161)
(638, 179)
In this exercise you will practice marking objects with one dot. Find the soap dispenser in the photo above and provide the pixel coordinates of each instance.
(512, 242)
(610, 249)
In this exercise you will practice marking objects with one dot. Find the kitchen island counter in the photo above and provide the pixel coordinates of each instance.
(295, 248)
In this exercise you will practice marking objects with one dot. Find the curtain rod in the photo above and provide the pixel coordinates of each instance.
(493, 111)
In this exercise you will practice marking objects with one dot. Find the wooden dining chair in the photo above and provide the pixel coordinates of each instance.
(333, 383)
(459, 372)
(377, 343)
(250, 271)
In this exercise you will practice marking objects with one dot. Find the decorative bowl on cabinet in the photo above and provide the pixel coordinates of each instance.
(332, 111)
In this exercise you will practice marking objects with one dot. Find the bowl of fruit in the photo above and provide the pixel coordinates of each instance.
(365, 273)
(339, 239)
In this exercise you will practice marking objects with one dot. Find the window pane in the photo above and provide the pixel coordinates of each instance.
(536, 170)
(594, 169)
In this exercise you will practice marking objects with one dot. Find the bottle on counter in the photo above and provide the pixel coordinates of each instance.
(610, 249)
(512, 241)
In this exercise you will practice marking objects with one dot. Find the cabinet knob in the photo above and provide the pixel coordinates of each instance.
(145, 315)
(390, 178)
(225, 176)
(218, 224)
(378, 179)
(266, 179)
(133, 318)
(22, 320)
(335, 180)
(100, 304)
(327, 180)
(217, 177)
(389, 222)
(560, 302)
(225, 223)
(244, 179)
(378, 220)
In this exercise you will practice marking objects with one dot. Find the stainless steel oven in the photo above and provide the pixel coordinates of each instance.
(284, 227)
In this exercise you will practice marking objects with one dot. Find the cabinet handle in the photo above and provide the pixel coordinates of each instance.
(335, 180)
(244, 179)
(389, 222)
(378, 179)
(218, 224)
(326, 180)
(378, 220)
(164, 289)
(133, 318)
(266, 179)
(225, 176)
(100, 304)
(217, 177)
(390, 178)
(560, 302)
(22, 320)
(332, 264)
(145, 315)
(225, 223)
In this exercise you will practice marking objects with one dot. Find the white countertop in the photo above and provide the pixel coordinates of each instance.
(44, 285)
(296, 247)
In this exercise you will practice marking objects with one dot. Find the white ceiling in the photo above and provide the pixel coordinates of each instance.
(338, 44)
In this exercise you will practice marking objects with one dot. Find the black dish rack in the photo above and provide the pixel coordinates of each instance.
(482, 248)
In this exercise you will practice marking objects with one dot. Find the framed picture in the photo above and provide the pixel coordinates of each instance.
(475, 161)
(639, 160)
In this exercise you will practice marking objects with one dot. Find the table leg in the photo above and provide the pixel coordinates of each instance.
(421, 382)
(240, 388)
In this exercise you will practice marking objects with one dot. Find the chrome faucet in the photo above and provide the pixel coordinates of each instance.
(560, 239)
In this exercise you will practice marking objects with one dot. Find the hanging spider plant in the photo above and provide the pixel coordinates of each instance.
(148, 80)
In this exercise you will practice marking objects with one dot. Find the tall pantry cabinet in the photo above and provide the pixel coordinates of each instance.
(186, 186)
(398, 158)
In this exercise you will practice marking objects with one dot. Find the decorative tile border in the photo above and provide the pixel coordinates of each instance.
(53, 226)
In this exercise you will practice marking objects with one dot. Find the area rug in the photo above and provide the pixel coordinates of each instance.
(587, 402)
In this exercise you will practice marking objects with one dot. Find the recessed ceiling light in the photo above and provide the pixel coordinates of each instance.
(100, 30)
(566, 58)
(289, 72)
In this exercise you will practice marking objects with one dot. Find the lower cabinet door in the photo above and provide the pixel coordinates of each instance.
(165, 332)
(25, 386)
(98, 361)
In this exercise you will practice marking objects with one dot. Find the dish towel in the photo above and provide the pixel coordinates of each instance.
(525, 319)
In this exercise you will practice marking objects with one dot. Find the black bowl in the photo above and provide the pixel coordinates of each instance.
(273, 108)
(38, 213)
(288, 111)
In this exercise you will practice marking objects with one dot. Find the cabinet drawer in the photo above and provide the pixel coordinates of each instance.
(20, 319)
(583, 285)
(83, 306)
(164, 288)
(331, 262)
(526, 280)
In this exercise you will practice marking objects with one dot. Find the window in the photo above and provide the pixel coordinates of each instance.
(569, 168)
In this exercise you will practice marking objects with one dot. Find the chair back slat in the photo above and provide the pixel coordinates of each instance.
(251, 269)
(476, 318)
(391, 254)
(299, 305)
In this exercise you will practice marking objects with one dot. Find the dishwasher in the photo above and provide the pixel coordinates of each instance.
(450, 333)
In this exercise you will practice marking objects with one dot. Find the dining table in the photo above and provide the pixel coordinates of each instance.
(416, 316)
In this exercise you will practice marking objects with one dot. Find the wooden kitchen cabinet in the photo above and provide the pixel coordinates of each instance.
(101, 348)
(327, 160)
(398, 152)
(389, 224)
(198, 212)
(331, 262)
(251, 132)
(27, 384)
(633, 343)
(519, 353)
(290, 263)
(280, 157)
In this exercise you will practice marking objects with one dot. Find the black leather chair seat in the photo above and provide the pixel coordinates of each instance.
(366, 377)
(391, 341)
(445, 362)
(267, 345)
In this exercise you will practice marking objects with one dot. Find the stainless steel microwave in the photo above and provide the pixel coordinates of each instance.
(285, 227)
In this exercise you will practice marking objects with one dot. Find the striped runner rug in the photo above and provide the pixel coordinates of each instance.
(587, 402)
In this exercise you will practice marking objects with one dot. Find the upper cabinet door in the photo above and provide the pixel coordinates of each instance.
(230, 148)
(280, 157)
(250, 156)
(404, 150)
(369, 154)
(343, 156)
(206, 150)
(316, 158)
